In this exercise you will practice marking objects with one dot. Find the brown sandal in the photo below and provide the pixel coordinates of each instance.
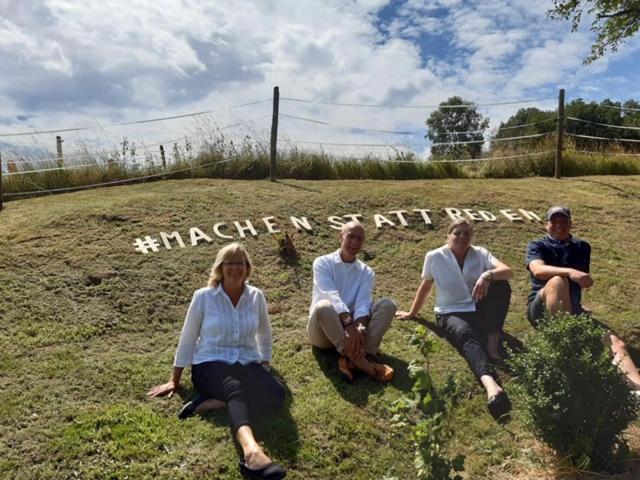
(345, 367)
(383, 373)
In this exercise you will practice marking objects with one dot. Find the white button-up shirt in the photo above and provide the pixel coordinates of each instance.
(347, 285)
(216, 330)
(454, 286)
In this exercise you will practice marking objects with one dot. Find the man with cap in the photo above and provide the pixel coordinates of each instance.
(559, 267)
(342, 312)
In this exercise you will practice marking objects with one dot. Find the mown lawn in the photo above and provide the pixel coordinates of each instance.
(89, 324)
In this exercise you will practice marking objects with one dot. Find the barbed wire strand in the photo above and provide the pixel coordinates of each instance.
(591, 152)
(603, 124)
(66, 167)
(537, 135)
(134, 122)
(391, 106)
(621, 108)
(603, 138)
(362, 129)
(494, 158)
(338, 144)
(115, 182)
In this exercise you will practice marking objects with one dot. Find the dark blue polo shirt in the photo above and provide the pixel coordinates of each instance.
(571, 253)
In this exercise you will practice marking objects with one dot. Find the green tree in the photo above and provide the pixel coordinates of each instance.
(614, 21)
(456, 121)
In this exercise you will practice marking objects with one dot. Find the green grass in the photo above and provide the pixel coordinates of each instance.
(88, 324)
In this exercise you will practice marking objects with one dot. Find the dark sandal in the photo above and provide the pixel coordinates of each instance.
(189, 408)
(499, 407)
(273, 471)
(345, 369)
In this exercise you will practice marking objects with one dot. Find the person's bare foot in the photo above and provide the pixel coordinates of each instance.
(210, 404)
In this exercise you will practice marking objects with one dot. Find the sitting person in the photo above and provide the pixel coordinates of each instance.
(559, 266)
(472, 302)
(226, 338)
(342, 312)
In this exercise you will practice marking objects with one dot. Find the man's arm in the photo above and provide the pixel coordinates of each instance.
(542, 271)
(323, 279)
(364, 297)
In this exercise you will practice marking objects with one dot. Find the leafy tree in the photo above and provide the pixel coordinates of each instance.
(614, 21)
(451, 126)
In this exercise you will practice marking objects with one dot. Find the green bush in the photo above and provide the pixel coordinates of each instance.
(574, 398)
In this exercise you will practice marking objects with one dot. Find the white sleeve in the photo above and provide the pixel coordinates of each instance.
(190, 331)
(427, 272)
(488, 260)
(263, 334)
(325, 283)
(364, 297)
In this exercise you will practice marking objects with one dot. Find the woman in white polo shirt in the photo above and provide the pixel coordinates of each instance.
(471, 304)
(226, 339)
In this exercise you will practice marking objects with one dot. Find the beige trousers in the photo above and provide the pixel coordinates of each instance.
(325, 330)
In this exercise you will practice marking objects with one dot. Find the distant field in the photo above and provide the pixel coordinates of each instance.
(89, 324)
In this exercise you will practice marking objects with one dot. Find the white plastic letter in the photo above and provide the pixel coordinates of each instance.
(300, 223)
(247, 227)
(216, 230)
(171, 236)
(382, 220)
(196, 235)
(268, 221)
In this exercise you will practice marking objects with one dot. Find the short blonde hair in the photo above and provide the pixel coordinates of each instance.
(457, 222)
(223, 254)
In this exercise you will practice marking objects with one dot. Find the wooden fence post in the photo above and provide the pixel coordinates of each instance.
(164, 161)
(0, 181)
(59, 150)
(274, 133)
(559, 133)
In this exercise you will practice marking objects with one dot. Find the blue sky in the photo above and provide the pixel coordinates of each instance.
(67, 64)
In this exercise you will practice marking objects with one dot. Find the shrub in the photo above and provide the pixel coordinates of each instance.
(574, 398)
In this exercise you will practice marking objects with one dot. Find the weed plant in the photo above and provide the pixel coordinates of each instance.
(574, 398)
(427, 411)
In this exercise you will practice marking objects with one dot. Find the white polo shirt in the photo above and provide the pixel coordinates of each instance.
(454, 286)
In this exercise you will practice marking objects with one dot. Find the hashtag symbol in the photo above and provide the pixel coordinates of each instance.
(147, 244)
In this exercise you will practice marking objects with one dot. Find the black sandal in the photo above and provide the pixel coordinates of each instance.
(499, 407)
(189, 408)
(273, 471)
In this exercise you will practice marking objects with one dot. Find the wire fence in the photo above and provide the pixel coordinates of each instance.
(334, 130)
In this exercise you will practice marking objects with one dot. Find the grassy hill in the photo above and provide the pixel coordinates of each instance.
(89, 324)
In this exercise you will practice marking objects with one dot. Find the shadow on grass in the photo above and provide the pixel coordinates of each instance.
(359, 391)
(278, 433)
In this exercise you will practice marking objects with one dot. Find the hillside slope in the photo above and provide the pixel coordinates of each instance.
(89, 323)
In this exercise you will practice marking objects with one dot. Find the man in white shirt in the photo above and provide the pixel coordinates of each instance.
(343, 314)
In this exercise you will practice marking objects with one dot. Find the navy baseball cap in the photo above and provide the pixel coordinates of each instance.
(559, 210)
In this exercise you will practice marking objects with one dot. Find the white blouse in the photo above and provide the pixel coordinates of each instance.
(216, 330)
(454, 286)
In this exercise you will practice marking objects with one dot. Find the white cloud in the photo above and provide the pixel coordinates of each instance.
(75, 62)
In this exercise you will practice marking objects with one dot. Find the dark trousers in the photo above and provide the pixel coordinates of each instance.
(465, 330)
(251, 393)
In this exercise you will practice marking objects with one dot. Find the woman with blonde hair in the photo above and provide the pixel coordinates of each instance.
(226, 338)
(471, 305)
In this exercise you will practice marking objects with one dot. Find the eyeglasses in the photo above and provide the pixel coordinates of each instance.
(235, 264)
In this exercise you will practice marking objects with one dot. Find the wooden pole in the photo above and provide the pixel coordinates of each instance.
(164, 161)
(274, 133)
(59, 150)
(559, 133)
(1, 181)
